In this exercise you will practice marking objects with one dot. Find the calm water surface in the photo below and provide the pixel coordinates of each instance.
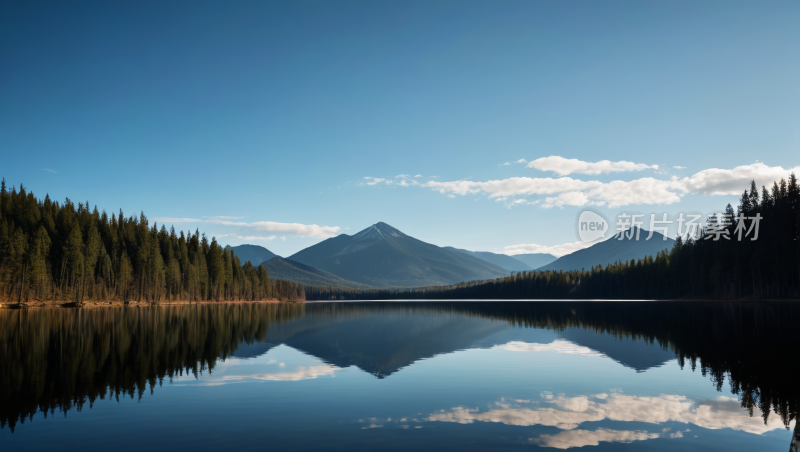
(362, 376)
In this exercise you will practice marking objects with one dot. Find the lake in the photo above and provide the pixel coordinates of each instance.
(400, 375)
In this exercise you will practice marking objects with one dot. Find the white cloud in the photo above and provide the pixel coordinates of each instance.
(504, 164)
(300, 373)
(524, 202)
(48, 170)
(373, 423)
(558, 346)
(563, 166)
(418, 175)
(619, 193)
(461, 187)
(640, 191)
(567, 413)
(567, 191)
(513, 186)
(715, 181)
(580, 438)
(679, 167)
(571, 191)
(374, 180)
(556, 250)
(302, 230)
(521, 161)
(570, 198)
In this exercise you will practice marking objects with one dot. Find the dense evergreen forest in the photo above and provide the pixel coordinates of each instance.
(52, 251)
(696, 267)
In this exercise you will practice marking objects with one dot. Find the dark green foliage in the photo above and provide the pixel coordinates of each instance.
(52, 251)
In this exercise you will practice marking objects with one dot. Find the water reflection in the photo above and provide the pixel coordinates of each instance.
(567, 413)
(56, 360)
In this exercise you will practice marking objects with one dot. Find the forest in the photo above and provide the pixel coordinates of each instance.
(69, 253)
(698, 266)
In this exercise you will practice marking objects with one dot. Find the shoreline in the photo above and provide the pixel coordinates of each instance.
(132, 303)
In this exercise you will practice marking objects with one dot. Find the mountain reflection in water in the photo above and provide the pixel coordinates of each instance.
(54, 360)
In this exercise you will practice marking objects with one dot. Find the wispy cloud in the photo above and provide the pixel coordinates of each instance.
(563, 166)
(302, 230)
(418, 175)
(555, 250)
(679, 167)
(647, 190)
(223, 217)
(374, 180)
(567, 413)
(48, 170)
(580, 438)
(299, 374)
(558, 346)
(405, 181)
(521, 161)
(248, 237)
(504, 164)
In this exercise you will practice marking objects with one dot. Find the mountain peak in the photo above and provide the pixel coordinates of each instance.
(378, 231)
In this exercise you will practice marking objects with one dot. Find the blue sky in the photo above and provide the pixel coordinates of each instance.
(274, 113)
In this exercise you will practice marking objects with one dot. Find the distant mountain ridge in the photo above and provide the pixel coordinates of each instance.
(381, 255)
(256, 254)
(535, 260)
(509, 263)
(612, 250)
(280, 268)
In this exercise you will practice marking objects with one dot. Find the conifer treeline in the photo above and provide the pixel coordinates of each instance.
(59, 359)
(52, 251)
(766, 268)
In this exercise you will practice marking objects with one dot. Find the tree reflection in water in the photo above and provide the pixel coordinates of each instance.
(58, 359)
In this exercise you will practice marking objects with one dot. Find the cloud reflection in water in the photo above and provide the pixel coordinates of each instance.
(567, 413)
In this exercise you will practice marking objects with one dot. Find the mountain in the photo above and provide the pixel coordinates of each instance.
(380, 255)
(535, 260)
(501, 260)
(612, 250)
(254, 253)
(384, 338)
(280, 268)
